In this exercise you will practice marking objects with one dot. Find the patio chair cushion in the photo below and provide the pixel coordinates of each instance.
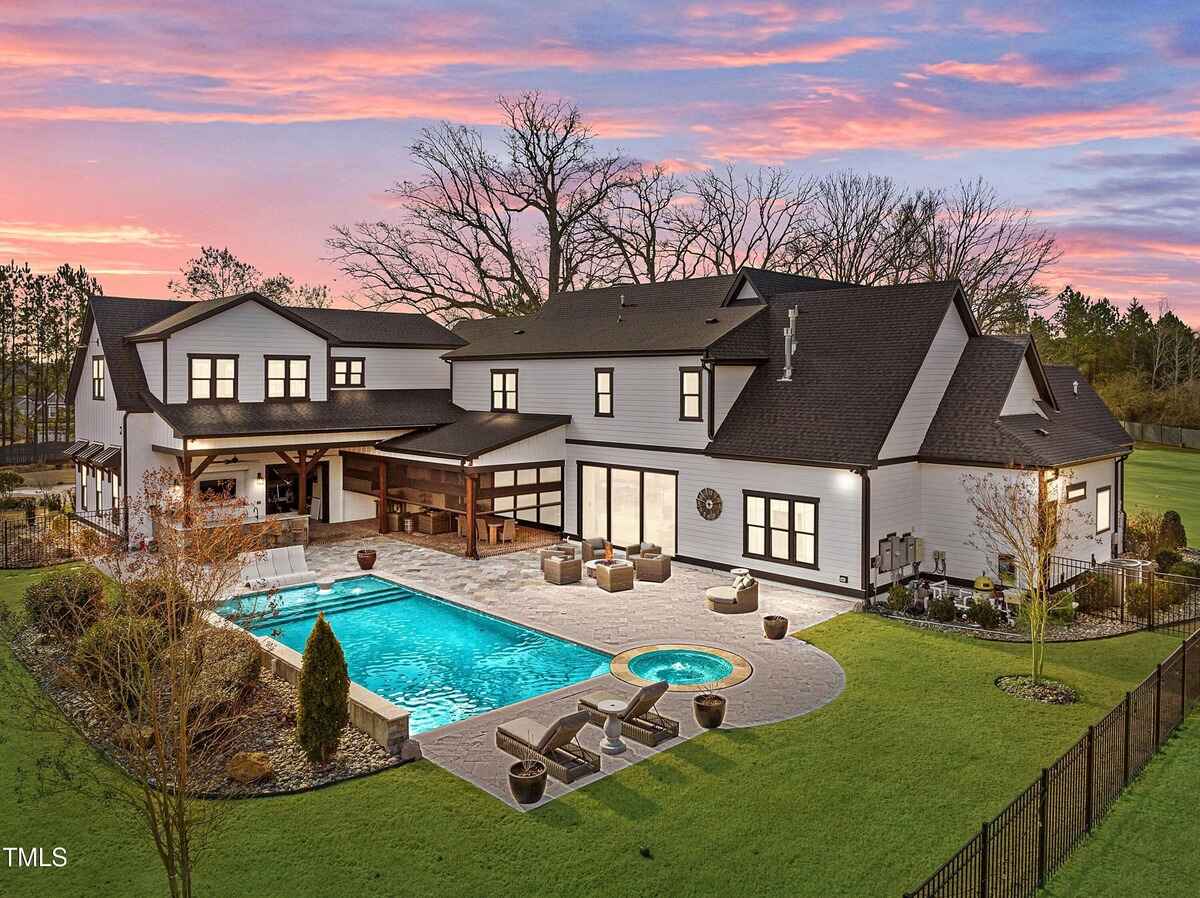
(545, 739)
(296, 557)
(645, 699)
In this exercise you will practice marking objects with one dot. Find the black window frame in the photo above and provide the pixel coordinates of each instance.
(287, 378)
(504, 391)
(83, 488)
(1081, 485)
(766, 555)
(598, 392)
(699, 394)
(98, 379)
(213, 358)
(348, 359)
(1108, 523)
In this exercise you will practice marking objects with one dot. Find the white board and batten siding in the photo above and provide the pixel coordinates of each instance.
(928, 388)
(839, 540)
(645, 396)
(251, 332)
(1023, 394)
(150, 355)
(398, 368)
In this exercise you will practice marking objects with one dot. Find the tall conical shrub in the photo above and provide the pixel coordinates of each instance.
(324, 693)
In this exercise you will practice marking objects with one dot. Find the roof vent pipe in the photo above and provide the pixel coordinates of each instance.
(789, 344)
(620, 318)
(1075, 387)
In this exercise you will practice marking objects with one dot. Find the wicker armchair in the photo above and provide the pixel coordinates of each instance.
(637, 549)
(614, 577)
(654, 568)
(559, 570)
(593, 548)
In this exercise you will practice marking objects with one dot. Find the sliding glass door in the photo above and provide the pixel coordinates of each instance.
(627, 505)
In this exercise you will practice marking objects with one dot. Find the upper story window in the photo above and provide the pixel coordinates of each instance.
(287, 377)
(781, 528)
(349, 372)
(98, 377)
(504, 389)
(1077, 492)
(604, 392)
(689, 395)
(212, 377)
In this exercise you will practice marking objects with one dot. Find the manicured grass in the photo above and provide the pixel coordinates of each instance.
(863, 797)
(1161, 478)
(1147, 845)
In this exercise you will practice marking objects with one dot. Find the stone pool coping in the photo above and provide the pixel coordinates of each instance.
(742, 669)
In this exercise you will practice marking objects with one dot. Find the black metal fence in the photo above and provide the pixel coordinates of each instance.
(1133, 593)
(50, 537)
(1012, 854)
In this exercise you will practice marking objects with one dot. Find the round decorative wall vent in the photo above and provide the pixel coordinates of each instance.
(708, 503)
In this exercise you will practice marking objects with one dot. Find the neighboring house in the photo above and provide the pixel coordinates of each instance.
(669, 413)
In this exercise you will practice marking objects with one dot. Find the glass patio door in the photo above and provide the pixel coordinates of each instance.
(628, 505)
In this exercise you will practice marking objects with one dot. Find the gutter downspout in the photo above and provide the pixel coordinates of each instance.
(865, 572)
(125, 478)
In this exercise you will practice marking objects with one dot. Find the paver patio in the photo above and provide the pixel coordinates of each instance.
(790, 678)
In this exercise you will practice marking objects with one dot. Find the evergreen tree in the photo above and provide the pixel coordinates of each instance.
(324, 694)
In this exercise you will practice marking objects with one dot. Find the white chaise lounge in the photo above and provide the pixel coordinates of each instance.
(286, 566)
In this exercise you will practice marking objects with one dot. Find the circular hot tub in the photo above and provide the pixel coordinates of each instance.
(687, 668)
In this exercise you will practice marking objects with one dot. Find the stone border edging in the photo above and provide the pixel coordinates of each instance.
(742, 669)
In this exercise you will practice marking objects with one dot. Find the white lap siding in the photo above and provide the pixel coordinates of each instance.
(719, 542)
(895, 508)
(387, 368)
(1081, 540)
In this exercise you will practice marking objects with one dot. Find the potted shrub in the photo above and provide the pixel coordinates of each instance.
(527, 781)
(366, 559)
(709, 709)
(775, 626)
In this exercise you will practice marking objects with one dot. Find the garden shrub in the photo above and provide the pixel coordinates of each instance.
(1095, 594)
(916, 609)
(1137, 599)
(1185, 569)
(155, 597)
(67, 602)
(942, 609)
(1171, 534)
(117, 653)
(1167, 559)
(899, 597)
(324, 693)
(985, 614)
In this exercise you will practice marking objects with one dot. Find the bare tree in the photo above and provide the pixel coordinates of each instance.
(218, 272)
(488, 234)
(736, 220)
(1027, 517)
(996, 251)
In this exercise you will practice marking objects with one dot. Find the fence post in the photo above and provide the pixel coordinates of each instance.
(1043, 826)
(1128, 724)
(984, 860)
(1091, 777)
(1157, 703)
(1183, 681)
(6, 543)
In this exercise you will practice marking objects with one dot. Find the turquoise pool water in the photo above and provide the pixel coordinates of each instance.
(680, 667)
(440, 661)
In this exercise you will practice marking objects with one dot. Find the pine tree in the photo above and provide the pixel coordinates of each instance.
(324, 694)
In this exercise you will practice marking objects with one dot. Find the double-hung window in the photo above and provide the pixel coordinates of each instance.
(781, 528)
(83, 487)
(504, 389)
(1103, 509)
(604, 392)
(212, 377)
(349, 372)
(99, 490)
(287, 377)
(98, 377)
(690, 408)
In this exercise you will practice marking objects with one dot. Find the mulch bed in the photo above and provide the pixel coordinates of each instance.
(1084, 626)
(1047, 692)
(267, 725)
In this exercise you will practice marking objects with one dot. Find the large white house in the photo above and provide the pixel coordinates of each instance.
(807, 430)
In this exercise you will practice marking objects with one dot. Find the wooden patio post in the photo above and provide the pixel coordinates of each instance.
(472, 536)
(302, 492)
(382, 496)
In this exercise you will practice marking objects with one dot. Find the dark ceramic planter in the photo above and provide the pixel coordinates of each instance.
(366, 559)
(775, 626)
(527, 782)
(709, 710)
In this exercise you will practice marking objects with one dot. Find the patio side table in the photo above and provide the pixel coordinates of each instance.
(612, 743)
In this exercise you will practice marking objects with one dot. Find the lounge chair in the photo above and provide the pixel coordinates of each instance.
(557, 745)
(730, 600)
(640, 721)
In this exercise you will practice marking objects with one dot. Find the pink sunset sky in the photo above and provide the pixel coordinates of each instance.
(133, 133)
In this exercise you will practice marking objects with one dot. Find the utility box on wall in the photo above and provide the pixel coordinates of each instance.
(898, 552)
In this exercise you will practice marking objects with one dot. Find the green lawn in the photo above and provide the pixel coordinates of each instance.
(863, 797)
(1147, 845)
(1161, 478)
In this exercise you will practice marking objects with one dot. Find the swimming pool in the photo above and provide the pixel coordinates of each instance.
(438, 660)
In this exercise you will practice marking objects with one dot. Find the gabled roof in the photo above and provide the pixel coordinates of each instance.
(197, 311)
(474, 433)
(345, 410)
(858, 350)
(633, 331)
(360, 327)
(767, 283)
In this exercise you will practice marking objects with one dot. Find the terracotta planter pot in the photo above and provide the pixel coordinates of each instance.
(527, 782)
(709, 710)
(775, 626)
(366, 559)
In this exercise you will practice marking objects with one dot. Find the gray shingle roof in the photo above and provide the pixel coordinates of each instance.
(636, 331)
(475, 433)
(664, 296)
(858, 351)
(345, 410)
(358, 327)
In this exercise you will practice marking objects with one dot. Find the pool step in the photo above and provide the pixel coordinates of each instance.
(330, 605)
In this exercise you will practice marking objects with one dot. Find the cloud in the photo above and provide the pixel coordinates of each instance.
(1180, 42)
(132, 235)
(996, 22)
(1015, 69)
